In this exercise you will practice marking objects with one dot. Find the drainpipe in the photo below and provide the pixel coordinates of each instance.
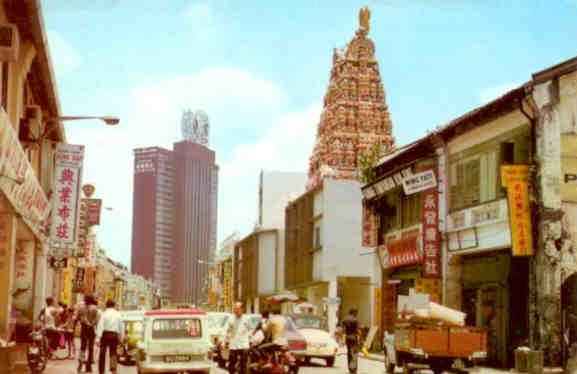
(535, 212)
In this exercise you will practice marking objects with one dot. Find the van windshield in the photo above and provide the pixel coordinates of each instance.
(176, 328)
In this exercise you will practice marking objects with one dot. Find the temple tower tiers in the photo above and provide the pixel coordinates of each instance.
(355, 118)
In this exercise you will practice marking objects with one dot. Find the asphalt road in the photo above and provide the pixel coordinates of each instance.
(365, 367)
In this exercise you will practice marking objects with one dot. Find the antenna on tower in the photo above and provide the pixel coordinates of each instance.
(195, 126)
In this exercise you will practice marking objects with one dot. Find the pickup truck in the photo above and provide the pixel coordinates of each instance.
(438, 346)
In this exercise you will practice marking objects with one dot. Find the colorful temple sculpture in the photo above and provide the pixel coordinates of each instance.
(355, 120)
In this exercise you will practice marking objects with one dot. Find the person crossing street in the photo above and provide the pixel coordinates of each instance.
(350, 325)
(238, 339)
(109, 334)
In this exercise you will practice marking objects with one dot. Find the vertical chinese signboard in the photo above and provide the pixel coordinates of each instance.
(93, 207)
(7, 233)
(68, 179)
(66, 294)
(516, 179)
(369, 227)
(431, 242)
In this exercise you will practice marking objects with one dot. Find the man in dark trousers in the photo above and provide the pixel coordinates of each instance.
(237, 335)
(88, 316)
(350, 325)
(110, 333)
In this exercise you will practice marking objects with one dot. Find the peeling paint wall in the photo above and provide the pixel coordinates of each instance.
(555, 256)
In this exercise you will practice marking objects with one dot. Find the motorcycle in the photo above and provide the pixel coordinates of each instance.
(37, 352)
(267, 359)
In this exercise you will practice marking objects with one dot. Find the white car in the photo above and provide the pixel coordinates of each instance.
(174, 341)
(320, 343)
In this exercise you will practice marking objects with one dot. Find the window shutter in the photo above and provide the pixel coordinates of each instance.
(472, 182)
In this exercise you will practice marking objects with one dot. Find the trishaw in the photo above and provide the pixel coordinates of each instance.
(127, 350)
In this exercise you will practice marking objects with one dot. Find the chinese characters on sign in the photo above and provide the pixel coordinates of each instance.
(401, 252)
(27, 196)
(516, 179)
(93, 211)
(78, 285)
(66, 294)
(369, 227)
(431, 287)
(430, 232)
(68, 177)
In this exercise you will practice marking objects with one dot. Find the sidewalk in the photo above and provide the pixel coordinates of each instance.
(480, 369)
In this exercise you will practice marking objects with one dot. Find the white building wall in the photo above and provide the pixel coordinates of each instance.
(342, 231)
(267, 243)
(277, 189)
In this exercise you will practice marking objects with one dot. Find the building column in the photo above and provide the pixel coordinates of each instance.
(41, 281)
(547, 271)
(8, 224)
(332, 308)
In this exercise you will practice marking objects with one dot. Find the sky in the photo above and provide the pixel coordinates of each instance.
(260, 69)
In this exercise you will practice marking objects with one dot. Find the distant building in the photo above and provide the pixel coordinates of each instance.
(153, 215)
(259, 257)
(174, 213)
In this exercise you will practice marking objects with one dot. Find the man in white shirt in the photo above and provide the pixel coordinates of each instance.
(237, 336)
(109, 334)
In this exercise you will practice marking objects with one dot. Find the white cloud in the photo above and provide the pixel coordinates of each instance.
(494, 92)
(66, 58)
(235, 100)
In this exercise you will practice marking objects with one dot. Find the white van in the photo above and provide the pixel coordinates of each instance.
(174, 341)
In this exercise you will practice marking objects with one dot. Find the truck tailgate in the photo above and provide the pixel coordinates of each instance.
(464, 341)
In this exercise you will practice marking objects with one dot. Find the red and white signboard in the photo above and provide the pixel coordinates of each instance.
(431, 242)
(402, 252)
(19, 182)
(67, 182)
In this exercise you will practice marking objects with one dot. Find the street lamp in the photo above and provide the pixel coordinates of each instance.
(110, 121)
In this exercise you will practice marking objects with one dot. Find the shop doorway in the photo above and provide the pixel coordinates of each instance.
(518, 306)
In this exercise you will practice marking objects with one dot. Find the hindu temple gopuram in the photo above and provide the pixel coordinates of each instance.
(355, 117)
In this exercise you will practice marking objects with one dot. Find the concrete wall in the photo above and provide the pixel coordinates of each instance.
(276, 189)
(267, 248)
(342, 230)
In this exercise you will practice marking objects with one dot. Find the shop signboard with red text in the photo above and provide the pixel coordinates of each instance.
(430, 232)
(401, 252)
(19, 182)
(67, 182)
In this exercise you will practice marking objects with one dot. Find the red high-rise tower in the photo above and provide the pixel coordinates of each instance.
(174, 213)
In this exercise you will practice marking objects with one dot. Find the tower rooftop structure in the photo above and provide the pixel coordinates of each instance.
(195, 126)
(355, 120)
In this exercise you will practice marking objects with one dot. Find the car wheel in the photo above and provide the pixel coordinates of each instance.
(330, 362)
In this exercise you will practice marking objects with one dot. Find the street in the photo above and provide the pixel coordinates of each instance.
(365, 367)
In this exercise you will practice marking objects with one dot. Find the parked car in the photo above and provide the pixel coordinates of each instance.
(296, 340)
(174, 341)
(319, 342)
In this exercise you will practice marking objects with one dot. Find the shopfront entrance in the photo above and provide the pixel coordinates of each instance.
(494, 296)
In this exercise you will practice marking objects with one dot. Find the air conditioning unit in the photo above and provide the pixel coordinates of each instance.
(31, 125)
(9, 42)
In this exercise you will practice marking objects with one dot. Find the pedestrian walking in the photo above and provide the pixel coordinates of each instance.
(350, 325)
(67, 327)
(88, 316)
(109, 333)
(48, 319)
(238, 340)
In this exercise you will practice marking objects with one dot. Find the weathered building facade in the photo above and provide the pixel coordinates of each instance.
(507, 191)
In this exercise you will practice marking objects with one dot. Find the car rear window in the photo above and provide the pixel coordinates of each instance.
(176, 328)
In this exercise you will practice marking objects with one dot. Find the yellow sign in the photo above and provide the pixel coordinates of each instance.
(515, 178)
(66, 294)
(514, 173)
(430, 286)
